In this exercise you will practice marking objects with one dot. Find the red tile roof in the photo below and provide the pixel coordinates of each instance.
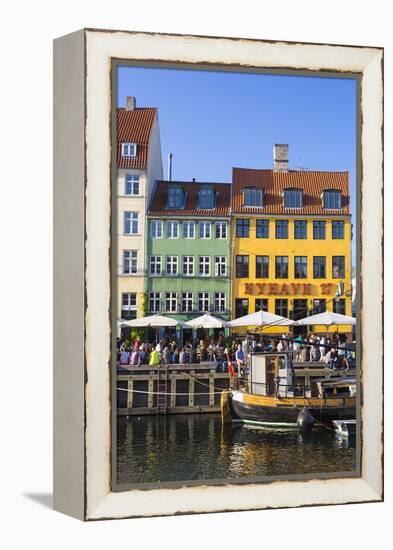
(191, 189)
(134, 127)
(273, 183)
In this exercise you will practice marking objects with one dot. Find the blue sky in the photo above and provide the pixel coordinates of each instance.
(212, 120)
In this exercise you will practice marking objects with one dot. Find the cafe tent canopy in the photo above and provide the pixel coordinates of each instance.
(121, 323)
(260, 319)
(327, 318)
(154, 321)
(206, 321)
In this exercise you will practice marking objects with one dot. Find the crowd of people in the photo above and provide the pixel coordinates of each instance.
(168, 351)
(332, 351)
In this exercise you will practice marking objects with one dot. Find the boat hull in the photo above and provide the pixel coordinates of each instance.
(286, 414)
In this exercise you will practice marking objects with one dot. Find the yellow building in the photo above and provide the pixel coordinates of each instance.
(291, 251)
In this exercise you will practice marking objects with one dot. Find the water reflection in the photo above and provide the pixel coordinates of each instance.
(193, 447)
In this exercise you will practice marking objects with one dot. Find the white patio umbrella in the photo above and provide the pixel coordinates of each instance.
(206, 321)
(154, 321)
(260, 319)
(327, 318)
(121, 323)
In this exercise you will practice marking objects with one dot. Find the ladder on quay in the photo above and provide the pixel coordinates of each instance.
(162, 389)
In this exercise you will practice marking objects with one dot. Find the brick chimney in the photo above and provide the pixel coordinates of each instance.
(280, 157)
(130, 103)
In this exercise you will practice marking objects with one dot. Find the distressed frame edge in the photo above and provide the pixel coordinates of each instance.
(374, 494)
(69, 490)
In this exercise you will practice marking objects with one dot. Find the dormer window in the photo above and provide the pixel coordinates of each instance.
(332, 199)
(206, 197)
(128, 150)
(293, 198)
(175, 197)
(253, 196)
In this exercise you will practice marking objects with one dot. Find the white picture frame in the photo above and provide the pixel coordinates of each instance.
(82, 246)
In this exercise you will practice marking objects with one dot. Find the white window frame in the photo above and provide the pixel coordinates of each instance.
(219, 301)
(134, 179)
(189, 225)
(187, 300)
(172, 224)
(172, 297)
(156, 261)
(134, 218)
(188, 261)
(173, 262)
(204, 266)
(154, 233)
(129, 150)
(132, 262)
(128, 306)
(222, 228)
(154, 300)
(202, 233)
(203, 297)
(220, 266)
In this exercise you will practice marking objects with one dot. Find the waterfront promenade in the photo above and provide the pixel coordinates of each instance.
(192, 388)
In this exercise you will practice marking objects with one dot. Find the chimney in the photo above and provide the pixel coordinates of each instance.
(170, 157)
(130, 103)
(280, 157)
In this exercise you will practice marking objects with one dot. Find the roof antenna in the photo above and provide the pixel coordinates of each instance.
(300, 167)
(170, 157)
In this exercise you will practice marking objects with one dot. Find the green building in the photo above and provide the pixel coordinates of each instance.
(188, 250)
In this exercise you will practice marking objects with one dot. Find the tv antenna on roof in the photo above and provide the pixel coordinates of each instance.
(300, 167)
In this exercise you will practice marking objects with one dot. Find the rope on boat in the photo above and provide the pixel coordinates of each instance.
(219, 390)
(315, 420)
(165, 393)
(215, 392)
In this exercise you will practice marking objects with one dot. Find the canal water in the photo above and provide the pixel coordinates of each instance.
(195, 447)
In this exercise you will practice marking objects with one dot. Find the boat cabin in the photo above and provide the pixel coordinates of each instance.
(269, 372)
(272, 374)
(336, 387)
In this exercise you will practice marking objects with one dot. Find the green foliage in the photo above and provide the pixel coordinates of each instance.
(145, 302)
(228, 342)
(135, 332)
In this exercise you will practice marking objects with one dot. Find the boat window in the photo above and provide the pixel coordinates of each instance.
(343, 390)
(282, 362)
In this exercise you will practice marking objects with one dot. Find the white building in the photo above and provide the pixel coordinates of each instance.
(139, 165)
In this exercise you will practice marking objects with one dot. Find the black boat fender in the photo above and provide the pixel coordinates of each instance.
(305, 420)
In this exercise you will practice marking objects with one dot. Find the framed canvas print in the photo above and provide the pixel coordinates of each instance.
(218, 274)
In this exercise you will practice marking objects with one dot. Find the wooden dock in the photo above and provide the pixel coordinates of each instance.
(192, 388)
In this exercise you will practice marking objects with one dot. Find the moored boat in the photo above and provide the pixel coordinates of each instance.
(270, 395)
(345, 428)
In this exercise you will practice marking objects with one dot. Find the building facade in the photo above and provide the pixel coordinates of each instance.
(139, 165)
(292, 242)
(188, 250)
(275, 239)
